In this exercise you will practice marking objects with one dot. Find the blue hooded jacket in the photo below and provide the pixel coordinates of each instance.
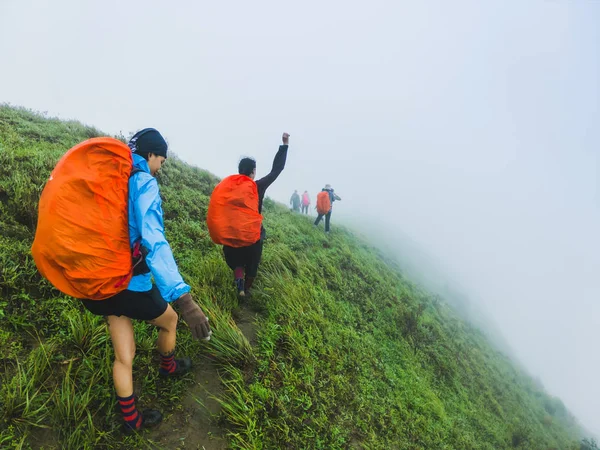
(146, 223)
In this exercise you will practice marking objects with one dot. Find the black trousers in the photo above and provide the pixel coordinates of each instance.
(246, 257)
(327, 219)
(304, 209)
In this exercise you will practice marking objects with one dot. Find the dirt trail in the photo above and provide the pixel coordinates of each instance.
(195, 427)
(245, 319)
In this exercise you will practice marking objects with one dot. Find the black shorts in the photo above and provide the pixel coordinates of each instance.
(136, 305)
(246, 257)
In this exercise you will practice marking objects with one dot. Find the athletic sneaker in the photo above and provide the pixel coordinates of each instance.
(182, 366)
(239, 283)
(150, 418)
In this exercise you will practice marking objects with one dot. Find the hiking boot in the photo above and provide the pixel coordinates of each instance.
(183, 365)
(239, 284)
(150, 418)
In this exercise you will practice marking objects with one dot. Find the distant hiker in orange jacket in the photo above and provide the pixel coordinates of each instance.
(234, 217)
(324, 206)
(305, 202)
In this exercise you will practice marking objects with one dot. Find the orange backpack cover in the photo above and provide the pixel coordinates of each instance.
(82, 238)
(233, 218)
(323, 202)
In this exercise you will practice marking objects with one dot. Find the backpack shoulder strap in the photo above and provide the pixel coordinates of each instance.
(134, 171)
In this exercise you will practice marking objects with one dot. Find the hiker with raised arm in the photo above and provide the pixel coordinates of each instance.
(324, 207)
(105, 244)
(305, 202)
(234, 217)
(295, 202)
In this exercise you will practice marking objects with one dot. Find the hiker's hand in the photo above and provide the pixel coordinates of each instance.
(285, 138)
(194, 317)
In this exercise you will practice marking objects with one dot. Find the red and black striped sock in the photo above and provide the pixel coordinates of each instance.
(132, 417)
(168, 363)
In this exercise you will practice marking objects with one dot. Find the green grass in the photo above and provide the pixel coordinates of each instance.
(348, 353)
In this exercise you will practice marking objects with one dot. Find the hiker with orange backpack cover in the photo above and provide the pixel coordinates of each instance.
(234, 217)
(325, 200)
(134, 296)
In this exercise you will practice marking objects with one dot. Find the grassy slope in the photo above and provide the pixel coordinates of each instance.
(348, 352)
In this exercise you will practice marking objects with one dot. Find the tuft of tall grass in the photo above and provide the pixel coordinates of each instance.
(239, 409)
(228, 344)
(87, 332)
(74, 405)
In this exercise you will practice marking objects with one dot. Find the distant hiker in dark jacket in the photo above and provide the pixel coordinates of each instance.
(324, 206)
(234, 217)
(295, 202)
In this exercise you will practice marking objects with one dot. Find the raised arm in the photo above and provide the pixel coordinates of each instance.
(278, 166)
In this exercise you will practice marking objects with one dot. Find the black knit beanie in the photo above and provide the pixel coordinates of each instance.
(148, 140)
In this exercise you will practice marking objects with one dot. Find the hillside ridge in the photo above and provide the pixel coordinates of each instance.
(336, 349)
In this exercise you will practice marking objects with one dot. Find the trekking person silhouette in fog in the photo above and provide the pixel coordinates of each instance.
(324, 207)
(295, 202)
(234, 217)
(305, 202)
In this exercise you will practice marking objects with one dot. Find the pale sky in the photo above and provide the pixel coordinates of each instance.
(470, 126)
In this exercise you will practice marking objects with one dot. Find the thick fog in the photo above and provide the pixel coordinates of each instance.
(467, 128)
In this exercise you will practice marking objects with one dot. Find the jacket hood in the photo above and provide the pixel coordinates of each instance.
(140, 163)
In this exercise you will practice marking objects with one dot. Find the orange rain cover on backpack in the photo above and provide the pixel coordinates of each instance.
(323, 202)
(82, 238)
(233, 218)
